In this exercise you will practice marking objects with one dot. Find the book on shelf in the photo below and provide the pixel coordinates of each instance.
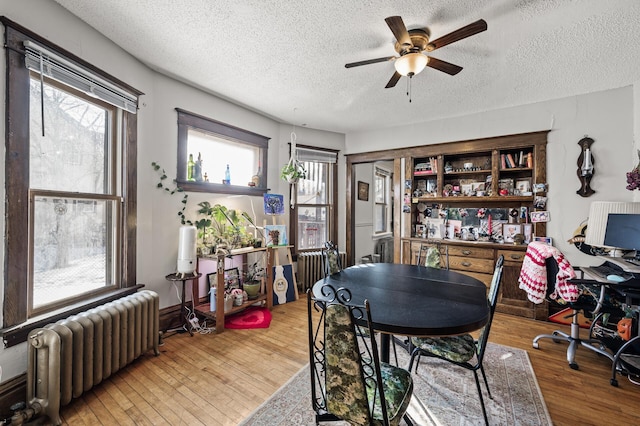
(510, 161)
(503, 161)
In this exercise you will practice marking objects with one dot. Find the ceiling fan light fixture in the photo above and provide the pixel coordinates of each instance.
(411, 64)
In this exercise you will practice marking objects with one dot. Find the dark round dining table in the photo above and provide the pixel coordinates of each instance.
(413, 300)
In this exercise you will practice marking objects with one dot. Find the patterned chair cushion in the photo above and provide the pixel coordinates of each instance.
(453, 348)
(347, 396)
(398, 387)
(433, 258)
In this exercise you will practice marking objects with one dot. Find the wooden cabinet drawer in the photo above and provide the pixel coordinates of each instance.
(477, 252)
(512, 255)
(485, 278)
(471, 264)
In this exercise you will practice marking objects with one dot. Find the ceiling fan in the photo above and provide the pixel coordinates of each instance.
(411, 45)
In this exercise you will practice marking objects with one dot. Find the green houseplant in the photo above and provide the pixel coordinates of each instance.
(293, 171)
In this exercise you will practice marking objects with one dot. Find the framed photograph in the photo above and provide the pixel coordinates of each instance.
(510, 230)
(527, 230)
(231, 278)
(546, 240)
(523, 185)
(541, 216)
(363, 191)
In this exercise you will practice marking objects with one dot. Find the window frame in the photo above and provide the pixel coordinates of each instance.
(386, 175)
(332, 213)
(16, 322)
(189, 120)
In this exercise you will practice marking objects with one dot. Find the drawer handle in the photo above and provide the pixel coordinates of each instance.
(516, 256)
(466, 252)
(466, 264)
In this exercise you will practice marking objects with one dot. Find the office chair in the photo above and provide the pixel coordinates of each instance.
(584, 303)
(348, 381)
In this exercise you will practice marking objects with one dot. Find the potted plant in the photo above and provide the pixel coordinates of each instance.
(293, 171)
(253, 280)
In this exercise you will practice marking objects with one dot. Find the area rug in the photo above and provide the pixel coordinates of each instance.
(252, 317)
(444, 394)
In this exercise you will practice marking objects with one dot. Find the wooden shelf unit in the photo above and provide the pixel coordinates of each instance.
(479, 160)
(266, 298)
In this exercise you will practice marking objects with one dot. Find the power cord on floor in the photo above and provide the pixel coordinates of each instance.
(194, 323)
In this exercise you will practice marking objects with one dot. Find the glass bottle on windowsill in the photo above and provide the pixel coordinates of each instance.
(227, 176)
(255, 179)
(191, 165)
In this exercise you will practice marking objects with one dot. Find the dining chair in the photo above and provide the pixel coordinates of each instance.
(348, 381)
(332, 262)
(461, 350)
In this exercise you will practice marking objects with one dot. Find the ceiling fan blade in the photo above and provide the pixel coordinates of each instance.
(443, 66)
(399, 30)
(370, 61)
(394, 79)
(459, 34)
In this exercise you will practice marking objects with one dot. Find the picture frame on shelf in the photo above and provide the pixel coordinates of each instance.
(510, 230)
(231, 279)
(527, 231)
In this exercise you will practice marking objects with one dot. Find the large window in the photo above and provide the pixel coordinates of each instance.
(314, 218)
(70, 181)
(217, 157)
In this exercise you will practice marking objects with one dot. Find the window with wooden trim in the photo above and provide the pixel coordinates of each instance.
(220, 158)
(70, 180)
(381, 205)
(314, 218)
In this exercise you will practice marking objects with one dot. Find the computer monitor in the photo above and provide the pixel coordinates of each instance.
(623, 231)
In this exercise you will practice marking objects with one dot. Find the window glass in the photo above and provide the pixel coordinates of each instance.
(71, 154)
(73, 244)
(72, 237)
(314, 197)
(216, 153)
(381, 201)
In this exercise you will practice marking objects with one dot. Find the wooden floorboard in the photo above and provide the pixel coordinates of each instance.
(219, 379)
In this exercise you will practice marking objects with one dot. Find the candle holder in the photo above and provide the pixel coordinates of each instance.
(585, 167)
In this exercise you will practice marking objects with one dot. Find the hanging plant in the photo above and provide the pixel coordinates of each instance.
(293, 171)
(633, 177)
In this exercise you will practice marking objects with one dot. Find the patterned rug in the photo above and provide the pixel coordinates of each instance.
(446, 394)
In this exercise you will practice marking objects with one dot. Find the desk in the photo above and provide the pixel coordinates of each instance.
(414, 300)
(184, 278)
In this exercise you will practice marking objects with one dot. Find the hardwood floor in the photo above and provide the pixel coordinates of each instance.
(220, 379)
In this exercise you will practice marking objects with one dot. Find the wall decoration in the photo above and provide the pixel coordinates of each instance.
(363, 191)
(283, 284)
(276, 235)
(273, 204)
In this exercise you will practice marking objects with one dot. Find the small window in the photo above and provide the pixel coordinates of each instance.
(219, 158)
(382, 195)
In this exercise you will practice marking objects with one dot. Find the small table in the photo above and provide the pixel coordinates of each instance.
(184, 278)
(414, 300)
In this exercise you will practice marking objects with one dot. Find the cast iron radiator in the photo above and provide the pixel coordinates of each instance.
(69, 357)
(311, 268)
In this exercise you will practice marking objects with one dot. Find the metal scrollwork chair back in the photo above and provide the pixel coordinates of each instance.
(348, 381)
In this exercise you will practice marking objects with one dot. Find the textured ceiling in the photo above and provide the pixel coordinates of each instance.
(286, 58)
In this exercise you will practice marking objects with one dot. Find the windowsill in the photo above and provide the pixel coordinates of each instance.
(18, 333)
(218, 188)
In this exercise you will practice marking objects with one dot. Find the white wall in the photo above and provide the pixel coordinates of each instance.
(158, 224)
(605, 116)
